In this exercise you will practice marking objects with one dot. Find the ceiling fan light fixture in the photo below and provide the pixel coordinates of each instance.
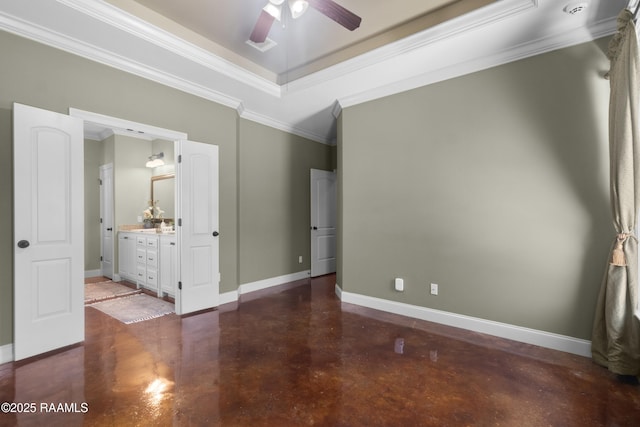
(298, 8)
(273, 10)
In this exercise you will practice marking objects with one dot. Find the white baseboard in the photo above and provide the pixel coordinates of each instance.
(92, 273)
(228, 297)
(259, 285)
(274, 281)
(6, 353)
(503, 330)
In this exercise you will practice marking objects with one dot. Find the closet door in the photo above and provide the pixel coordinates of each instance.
(197, 231)
(106, 220)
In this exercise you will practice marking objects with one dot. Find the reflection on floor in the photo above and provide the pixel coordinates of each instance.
(296, 356)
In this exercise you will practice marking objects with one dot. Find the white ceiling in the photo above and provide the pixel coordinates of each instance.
(305, 45)
(399, 46)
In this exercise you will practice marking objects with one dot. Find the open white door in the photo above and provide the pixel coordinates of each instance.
(106, 220)
(197, 231)
(323, 222)
(48, 230)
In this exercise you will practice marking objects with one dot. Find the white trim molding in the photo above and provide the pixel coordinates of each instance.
(143, 30)
(247, 288)
(228, 297)
(6, 353)
(123, 124)
(495, 34)
(259, 285)
(92, 273)
(280, 125)
(489, 327)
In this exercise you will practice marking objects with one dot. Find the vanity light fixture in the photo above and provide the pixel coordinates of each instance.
(155, 160)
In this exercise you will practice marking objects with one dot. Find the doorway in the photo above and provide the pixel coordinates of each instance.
(196, 201)
(323, 222)
(58, 135)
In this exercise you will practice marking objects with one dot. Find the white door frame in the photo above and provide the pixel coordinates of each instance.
(150, 132)
(126, 127)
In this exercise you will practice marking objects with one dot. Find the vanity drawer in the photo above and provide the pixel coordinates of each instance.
(152, 242)
(141, 274)
(141, 255)
(152, 278)
(152, 258)
(141, 241)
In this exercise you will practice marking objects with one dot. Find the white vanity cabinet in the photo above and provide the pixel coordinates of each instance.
(127, 266)
(149, 260)
(168, 269)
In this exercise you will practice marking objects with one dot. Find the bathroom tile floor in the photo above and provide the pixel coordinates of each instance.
(295, 356)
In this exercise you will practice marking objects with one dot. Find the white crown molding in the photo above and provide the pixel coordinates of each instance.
(283, 126)
(131, 24)
(483, 17)
(336, 110)
(503, 330)
(97, 136)
(308, 106)
(512, 54)
(45, 36)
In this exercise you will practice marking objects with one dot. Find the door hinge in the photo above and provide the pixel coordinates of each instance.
(180, 285)
(179, 158)
(100, 181)
(101, 259)
(179, 222)
(100, 220)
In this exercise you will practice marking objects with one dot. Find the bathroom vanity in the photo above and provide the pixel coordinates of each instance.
(149, 260)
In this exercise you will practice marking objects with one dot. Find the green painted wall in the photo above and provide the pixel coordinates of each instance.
(274, 200)
(274, 165)
(6, 237)
(493, 185)
(131, 179)
(47, 78)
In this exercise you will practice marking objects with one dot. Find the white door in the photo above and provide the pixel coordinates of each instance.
(48, 230)
(106, 220)
(197, 231)
(323, 222)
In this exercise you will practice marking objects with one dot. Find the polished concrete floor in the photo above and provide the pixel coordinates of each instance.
(296, 356)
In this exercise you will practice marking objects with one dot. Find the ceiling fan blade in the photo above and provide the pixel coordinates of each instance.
(262, 28)
(333, 10)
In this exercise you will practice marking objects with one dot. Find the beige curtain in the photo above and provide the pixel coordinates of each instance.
(616, 339)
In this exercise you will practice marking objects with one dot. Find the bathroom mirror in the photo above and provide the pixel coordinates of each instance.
(163, 193)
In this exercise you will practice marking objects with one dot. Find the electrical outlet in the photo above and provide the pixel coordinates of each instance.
(434, 289)
(300, 259)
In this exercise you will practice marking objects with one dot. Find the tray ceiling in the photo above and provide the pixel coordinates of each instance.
(317, 67)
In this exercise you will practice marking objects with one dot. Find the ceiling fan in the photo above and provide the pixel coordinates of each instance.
(273, 11)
